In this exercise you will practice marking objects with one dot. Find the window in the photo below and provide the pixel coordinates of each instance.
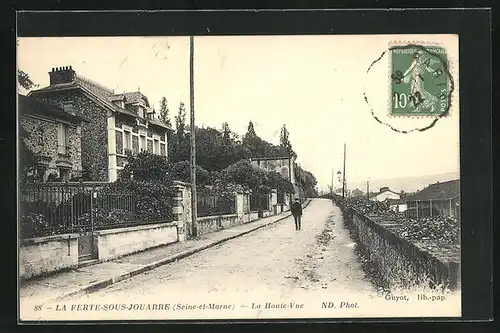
(143, 143)
(63, 138)
(64, 174)
(157, 147)
(140, 111)
(127, 140)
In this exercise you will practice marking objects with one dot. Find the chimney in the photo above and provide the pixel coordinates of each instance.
(60, 75)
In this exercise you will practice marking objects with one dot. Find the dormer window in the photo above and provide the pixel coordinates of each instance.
(140, 111)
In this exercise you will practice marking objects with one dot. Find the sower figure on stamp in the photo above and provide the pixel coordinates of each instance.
(297, 213)
(413, 76)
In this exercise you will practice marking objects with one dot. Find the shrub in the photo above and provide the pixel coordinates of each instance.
(147, 167)
(152, 199)
(182, 171)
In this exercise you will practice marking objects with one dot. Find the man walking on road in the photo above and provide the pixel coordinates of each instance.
(297, 213)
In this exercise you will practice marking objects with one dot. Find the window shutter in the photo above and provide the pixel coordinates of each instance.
(61, 138)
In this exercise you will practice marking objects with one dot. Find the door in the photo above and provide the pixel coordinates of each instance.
(86, 247)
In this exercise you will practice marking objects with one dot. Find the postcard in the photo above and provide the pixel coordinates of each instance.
(239, 177)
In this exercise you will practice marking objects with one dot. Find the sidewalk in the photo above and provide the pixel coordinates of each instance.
(86, 279)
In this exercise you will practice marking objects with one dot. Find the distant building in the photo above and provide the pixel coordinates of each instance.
(54, 136)
(118, 123)
(436, 199)
(357, 192)
(282, 165)
(384, 194)
(397, 205)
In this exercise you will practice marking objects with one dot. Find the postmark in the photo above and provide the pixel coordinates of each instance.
(418, 87)
(420, 82)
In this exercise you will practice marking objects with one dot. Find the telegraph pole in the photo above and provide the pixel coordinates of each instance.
(194, 210)
(343, 176)
(368, 190)
(331, 186)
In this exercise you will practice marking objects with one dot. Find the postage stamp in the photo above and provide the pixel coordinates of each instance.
(420, 81)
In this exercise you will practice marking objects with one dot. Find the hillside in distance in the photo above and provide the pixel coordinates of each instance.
(407, 184)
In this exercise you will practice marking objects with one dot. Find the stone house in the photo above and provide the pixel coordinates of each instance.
(117, 123)
(285, 166)
(54, 134)
(385, 193)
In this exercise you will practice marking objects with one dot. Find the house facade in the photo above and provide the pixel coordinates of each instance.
(282, 165)
(54, 135)
(441, 198)
(117, 123)
(384, 194)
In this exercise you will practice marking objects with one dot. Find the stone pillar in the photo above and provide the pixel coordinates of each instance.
(274, 201)
(240, 204)
(112, 170)
(178, 210)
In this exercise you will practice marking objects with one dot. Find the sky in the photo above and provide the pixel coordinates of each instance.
(313, 84)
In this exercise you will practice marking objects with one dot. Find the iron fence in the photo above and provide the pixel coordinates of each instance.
(259, 202)
(57, 208)
(215, 204)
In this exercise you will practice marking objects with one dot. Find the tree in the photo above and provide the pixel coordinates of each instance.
(28, 161)
(180, 121)
(306, 181)
(182, 172)
(285, 144)
(179, 144)
(25, 81)
(256, 146)
(164, 112)
(251, 130)
(226, 132)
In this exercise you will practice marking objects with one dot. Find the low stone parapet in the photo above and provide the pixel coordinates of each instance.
(400, 262)
(44, 255)
(115, 243)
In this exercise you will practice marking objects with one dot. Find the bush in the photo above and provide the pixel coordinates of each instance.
(251, 178)
(182, 171)
(147, 167)
(153, 199)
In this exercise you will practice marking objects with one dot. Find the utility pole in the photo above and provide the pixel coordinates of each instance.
(194, 206)
(368, 189)
(331, 186)
(343, 176)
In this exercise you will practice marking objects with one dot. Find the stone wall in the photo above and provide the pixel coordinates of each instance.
(94, 131)
(44, 255)
(43, 141)
(115, 243)
(401, 263)
(250, 217)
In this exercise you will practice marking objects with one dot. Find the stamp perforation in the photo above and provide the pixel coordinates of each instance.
(449, 69)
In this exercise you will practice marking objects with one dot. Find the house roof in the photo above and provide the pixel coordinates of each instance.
(271, 158)
(96, 94)
(130, 97)
(27, 105)
(438, 191)
(160, 124)
(384, 191)
(103, 96)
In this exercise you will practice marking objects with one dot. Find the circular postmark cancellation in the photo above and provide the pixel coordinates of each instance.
(420, 84)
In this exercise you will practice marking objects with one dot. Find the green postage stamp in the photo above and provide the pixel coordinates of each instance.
(421, 83)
